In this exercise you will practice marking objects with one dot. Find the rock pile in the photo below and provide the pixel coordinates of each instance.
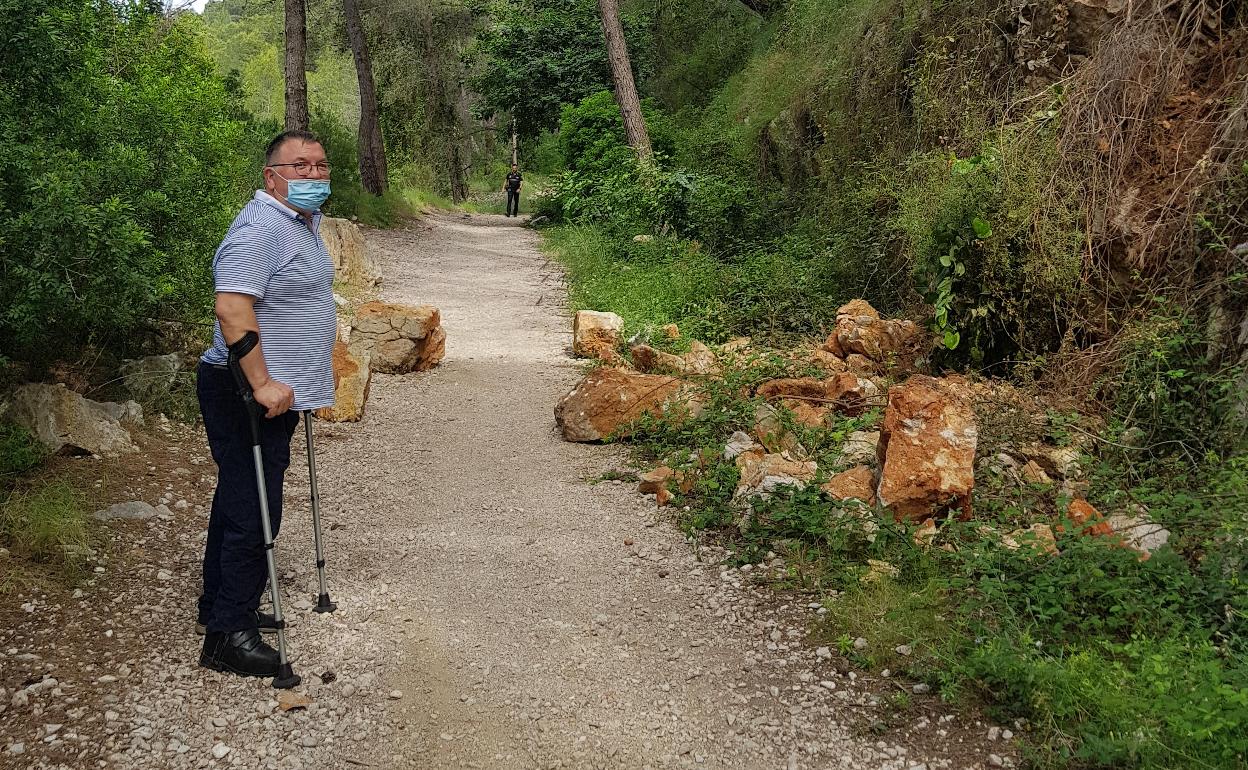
(608, 399)
(596, 335)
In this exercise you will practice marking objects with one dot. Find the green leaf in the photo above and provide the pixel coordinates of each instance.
(981, 227)
(952, 339)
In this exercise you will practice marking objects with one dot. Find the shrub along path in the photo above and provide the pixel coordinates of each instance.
(496, 609)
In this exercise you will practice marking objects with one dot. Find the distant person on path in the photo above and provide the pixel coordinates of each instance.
(512, 186)
(274, 277)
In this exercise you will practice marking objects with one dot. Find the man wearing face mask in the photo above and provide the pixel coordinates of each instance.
(274, 277)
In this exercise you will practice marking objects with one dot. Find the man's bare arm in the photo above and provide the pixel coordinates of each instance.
(237, 314)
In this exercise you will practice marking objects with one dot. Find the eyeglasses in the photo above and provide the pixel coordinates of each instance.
(303, 168)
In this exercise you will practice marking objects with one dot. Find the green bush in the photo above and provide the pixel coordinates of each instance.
(106, 215)
(592, 140)
(19, 453)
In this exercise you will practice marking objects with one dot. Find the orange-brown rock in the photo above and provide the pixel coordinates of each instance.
(804, 387)
(828, 361)
(671, 331)
(608, 399)
(850, 394)
(352, 377)
(857, 483)
(859, 329)
(698, 361)
(596, 335)
(927, 448)
(650, 483)
(1038, 538)
(398, 338)
(1083, 514)
(772, 433)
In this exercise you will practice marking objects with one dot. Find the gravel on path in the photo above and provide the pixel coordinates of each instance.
(496, 608)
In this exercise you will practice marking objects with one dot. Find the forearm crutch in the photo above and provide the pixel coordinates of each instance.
(286, 677)
(323, 604)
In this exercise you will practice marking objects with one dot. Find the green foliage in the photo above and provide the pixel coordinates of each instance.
(105, 219)
(19, 453)
(537, 56)
(996, 247)
(48, 523)
(591, 135)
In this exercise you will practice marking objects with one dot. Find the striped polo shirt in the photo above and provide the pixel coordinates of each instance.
(270, 254)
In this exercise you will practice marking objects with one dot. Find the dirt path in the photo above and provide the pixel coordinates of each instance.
(496, 610)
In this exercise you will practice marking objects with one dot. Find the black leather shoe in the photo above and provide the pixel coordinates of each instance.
(266, 623)
(239, 652)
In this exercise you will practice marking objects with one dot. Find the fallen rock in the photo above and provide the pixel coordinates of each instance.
(857, 483)
(596, 335)
(829, 361)
(150, 376)
(398, 338)
(1083, 514)
(1139, 533)
(860, 448)
(348, 250)
(860, 330)
(352, 378)
(851, 394)
(927, 448)
(137, 510)
(762, 474)
(771, 432)
(608, 399)
(650, 483)
(803, 387)
(739, 442)
(671, 331)
(1038, 538)
(653, 361)
(700, 360)
(63, 420)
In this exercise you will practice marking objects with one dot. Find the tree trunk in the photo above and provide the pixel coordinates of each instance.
(622, 74)
(515, 143)
(296, 66)
(372, 150)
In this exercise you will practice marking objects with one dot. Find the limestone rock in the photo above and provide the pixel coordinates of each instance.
(739, 442)
(1139, 533)
(398, 338)
(607, 399)
(762, 474)
(671, 331)
(857, 483)
(352, 377)
(860, 330)
(596, 335)
(150, 376)
(1084, 515)
(771, 432)
(63, 420)
(927, 448)
(1038, 538)
(349, 251)
(860, 448)
(650, 483)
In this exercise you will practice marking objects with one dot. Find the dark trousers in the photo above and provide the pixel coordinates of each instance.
(235, 570)
(513, 202)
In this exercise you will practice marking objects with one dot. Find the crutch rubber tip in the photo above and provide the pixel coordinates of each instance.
(323, 604)
(286, 678)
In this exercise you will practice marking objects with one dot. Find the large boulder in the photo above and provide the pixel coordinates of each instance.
(150, 376)
(927, 448)
(859, 330)
(349, 251)
(608, 399)
(352, 377)
(62, 420)
(596, 335)
(398, 338)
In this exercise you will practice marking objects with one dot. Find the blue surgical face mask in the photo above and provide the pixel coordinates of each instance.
(306, 194)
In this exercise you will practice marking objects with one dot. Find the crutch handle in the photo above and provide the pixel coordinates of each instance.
(239, 350)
